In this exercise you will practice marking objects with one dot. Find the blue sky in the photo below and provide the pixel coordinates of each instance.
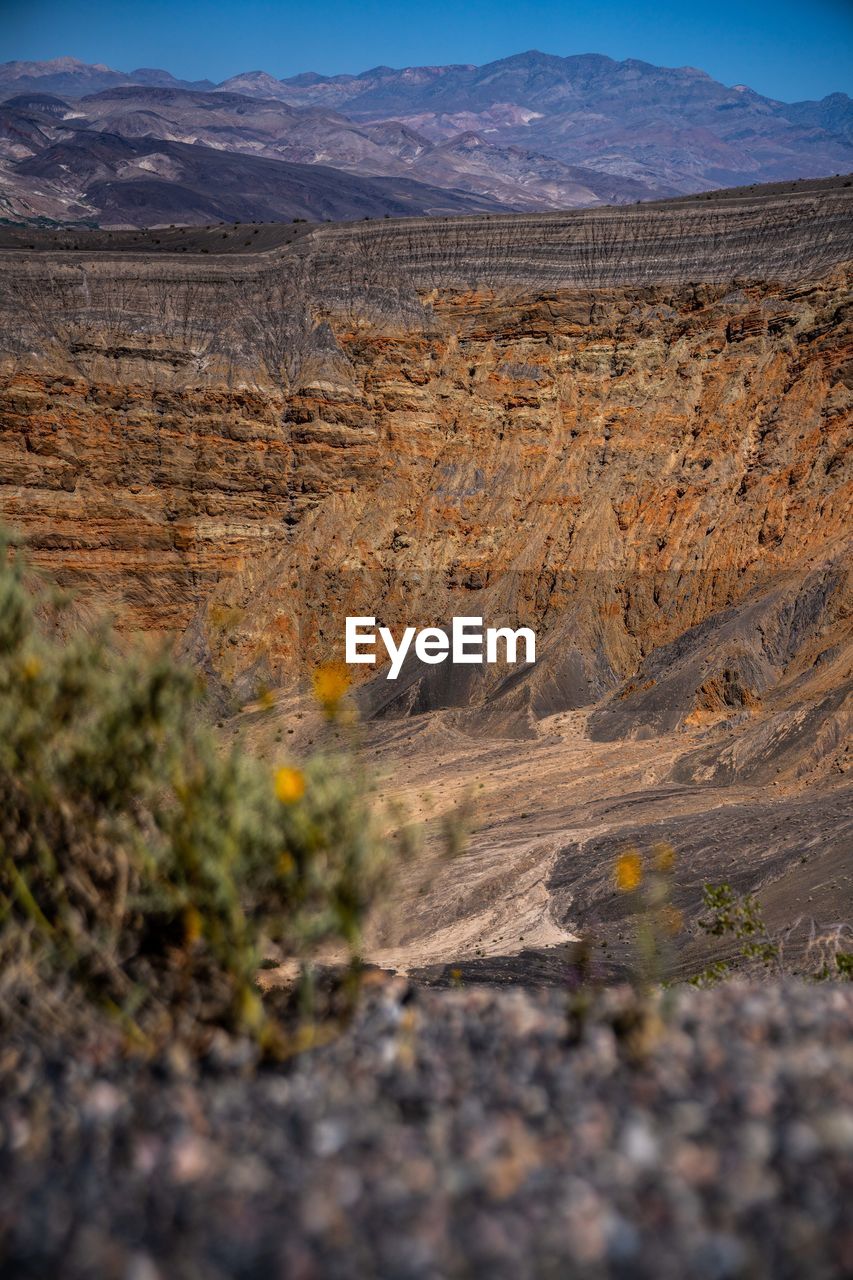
(787, 49)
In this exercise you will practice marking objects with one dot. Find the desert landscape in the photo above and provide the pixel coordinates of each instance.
(626, 429)
(519, 970)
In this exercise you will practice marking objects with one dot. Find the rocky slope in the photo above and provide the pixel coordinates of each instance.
(547, 422)
(57, 171)
(598, 430)
(89, 161)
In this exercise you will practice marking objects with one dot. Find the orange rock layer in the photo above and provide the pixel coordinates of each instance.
(631, 458)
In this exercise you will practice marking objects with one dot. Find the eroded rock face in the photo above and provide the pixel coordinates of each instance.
(142, 498)
(543, 421)
(612, 467)
(653, 474)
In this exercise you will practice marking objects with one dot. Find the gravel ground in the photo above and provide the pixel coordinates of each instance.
(451, 1134)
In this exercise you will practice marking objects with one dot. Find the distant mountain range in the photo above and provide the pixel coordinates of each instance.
(82, 143)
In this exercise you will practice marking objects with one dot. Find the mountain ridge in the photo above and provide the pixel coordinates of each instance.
(532, 131)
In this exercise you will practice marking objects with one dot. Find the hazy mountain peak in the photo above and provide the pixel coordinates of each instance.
(52, 65)
(251, 77)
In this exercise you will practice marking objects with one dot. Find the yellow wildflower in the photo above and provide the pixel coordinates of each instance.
(673, 919)
(32, 667)
(192, 925)
(289, 784)
(331, 682)
(664, 857)
(629, 871)
(251, 1009)
(286, 864)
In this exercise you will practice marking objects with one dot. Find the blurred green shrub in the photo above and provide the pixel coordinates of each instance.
(143, 866)
(648, 884)
(727, 913)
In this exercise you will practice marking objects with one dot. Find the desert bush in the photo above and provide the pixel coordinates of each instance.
(728, 914)
(145, 869)
(822, 955)
(827, 951)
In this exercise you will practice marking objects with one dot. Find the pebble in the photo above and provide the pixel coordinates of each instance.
(449, 1133)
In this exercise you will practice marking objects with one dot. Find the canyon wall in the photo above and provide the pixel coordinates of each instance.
(611, 463)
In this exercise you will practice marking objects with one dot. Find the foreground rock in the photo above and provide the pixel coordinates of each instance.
(452, 1134)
